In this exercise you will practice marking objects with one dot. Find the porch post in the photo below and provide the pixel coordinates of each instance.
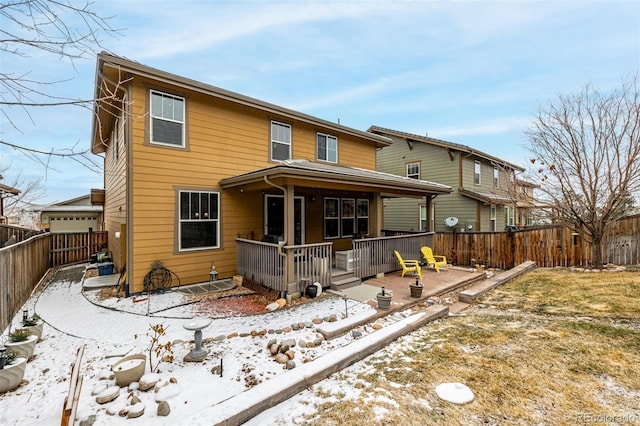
(289, 233)
(377, 205)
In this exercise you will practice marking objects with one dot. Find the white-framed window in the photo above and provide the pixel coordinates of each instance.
(331, 218)
(493, 217)
(362, 217)
(327, 148)
(413, 170)
(167, 119)
(423, 217)
(280, 141)
(199, 220)
(496, 177)
(476, 172)
(508, 216)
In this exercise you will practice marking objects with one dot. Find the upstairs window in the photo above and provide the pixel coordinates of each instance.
(280, 141)
(327, 148)
(199, 225)
(167, 119)
(476, 173)
(496, 177)
(413, 170)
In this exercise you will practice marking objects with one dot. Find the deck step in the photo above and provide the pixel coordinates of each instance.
(343, 283)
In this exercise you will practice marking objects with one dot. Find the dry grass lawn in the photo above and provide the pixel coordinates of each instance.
(552, 347)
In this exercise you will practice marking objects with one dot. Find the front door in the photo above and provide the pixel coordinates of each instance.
(274, 217)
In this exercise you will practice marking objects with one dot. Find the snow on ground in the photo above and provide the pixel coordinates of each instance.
(72, 318)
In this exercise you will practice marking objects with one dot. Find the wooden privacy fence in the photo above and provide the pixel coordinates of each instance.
(22, 265)
(547, 247)
(76, 247)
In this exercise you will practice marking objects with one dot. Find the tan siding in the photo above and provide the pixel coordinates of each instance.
(224, 139)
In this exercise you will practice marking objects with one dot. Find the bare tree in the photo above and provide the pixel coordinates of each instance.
(586, 149)
(65, 29)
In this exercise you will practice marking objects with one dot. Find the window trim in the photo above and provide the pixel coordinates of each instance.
(496, 177)
(477, 172)
(493, 210)
(183, 143)
(326, 153)
(272, 140)
(180, 221)
(325, 218)
(418, 174)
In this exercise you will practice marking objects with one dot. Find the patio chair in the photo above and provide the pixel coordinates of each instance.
(409, 265)
(431, 259)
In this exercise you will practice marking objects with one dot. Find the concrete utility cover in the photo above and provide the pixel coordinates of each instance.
(456, 393)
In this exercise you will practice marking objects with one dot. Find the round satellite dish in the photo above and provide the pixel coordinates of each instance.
(451, 221)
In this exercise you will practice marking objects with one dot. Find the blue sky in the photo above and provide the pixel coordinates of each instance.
(470, 72)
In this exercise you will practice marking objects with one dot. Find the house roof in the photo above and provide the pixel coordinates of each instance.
(70, 209)
(486, 196)
(304, 172)
(439, 142)
(4, 189)
(121, 67)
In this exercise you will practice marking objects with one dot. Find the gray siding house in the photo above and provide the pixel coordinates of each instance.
(486, 195)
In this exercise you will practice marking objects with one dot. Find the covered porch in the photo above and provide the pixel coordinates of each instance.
(322, 223)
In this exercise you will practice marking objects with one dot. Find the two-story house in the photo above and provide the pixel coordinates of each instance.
(486, 195)
(196, 176)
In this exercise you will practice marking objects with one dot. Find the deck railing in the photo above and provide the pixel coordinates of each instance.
(312, 262)
(261, 262)
(372, 256)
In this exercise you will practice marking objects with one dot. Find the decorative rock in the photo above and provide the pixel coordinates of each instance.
(133, 386)
(308, 324)
(283, 348)
(295, 327)
(89, 421)
(287, 329)
(356, 334)
(136, 410)
(279, 331)
(317, 321)
(333, 318)
(290, 354)
(108, 395)
(244, 335)
(173, 380)
(289, 342)
(163, 408)
(271, 331)
(271, 342)
(232, 335)
(302, 343)
(281, 358)
(274, 349)
(317, 342)
(301, 325)
(254, 333)
(168, 392)
(456, 393)
(135, 400)
(219, 338)
(262, 332)
(290, 365)
(99, 388)
(115, 408)
(148, 381)
(377, 326)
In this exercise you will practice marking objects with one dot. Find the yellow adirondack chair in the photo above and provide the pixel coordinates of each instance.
(409, 265)
(436, 261)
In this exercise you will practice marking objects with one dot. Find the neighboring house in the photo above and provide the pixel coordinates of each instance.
(486, 196)
(196, 176)
(74, 215)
